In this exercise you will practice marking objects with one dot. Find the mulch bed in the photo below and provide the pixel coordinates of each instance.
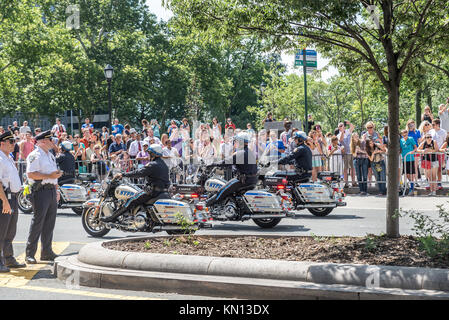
(374, 250)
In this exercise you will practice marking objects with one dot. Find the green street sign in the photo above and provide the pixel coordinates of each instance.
(300, 63)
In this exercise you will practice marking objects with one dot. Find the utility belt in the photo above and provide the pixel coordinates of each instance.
(151, 189)
(38, 186)
(9, 194)
(301, 171)
(243, 178)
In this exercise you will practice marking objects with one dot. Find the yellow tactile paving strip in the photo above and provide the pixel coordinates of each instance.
(20, 278)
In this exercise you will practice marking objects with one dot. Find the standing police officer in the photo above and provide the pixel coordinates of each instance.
(43, 174)
(9, 187)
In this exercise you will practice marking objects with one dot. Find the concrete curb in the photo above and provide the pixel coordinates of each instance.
(411, 278)
(73, 272)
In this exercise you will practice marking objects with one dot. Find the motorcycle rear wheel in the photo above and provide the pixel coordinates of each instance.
(94, 228)
(267, 223)
(320, 212)
(24, 203)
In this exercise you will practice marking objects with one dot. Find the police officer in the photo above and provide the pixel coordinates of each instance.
(43, 175)
(9, 188)
(66, 162)
(245, 163)
(156, 173)
(301, 157)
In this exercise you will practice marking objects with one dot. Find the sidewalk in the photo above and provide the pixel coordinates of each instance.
(96, 266)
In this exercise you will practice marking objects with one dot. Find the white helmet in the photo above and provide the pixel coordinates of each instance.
(301, 135)
(243, 137)
(66, 145)
(156, 149)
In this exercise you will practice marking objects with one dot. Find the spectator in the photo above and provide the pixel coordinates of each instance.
(430, 161)
(79, 153)
(87, 125)
(414, 133)
(2, 130)
(376, 156)
(427, 115)
(117, 128)
(175, 137)
(117, 147)
(439, 135)
(287, 133)
(310, 123)
(250, 130)
(445, 149)
(99, 162)
(156, 128)
(185, 126)
(358, 151)
(150, 136)
(58, 128)
(229, 124)
(317, 154)
(24, 129)
(335, 154)
(408, 145)
(344, 138)
(444, 116)
(143, 156)
(14, 127)
(424, 128)
(136, 145)
(145, 126)
(269, 118)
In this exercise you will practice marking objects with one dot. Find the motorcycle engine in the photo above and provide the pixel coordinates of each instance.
(107, 208)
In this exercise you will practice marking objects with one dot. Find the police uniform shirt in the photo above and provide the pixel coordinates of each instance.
(40, 161)
(9, 175)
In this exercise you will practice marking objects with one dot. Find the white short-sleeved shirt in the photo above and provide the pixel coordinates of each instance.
(439, 136)
(9, 176)
(43, 162)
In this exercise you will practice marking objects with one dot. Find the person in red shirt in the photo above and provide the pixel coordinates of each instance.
(229, 124)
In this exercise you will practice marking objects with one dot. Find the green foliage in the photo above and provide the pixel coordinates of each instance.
(432, 233)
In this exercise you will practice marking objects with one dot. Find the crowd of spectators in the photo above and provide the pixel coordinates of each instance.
(359, 157)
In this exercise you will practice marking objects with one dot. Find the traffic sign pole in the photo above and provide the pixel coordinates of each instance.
(304, 68)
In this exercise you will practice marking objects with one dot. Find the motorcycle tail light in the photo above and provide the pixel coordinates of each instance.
(199, 207)
(280, 187)
(195, 196)
(93, 190)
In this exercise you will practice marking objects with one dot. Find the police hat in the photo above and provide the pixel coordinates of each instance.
(44, 135)
(6, 136)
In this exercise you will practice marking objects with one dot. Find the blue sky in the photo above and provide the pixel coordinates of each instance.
(164, 14)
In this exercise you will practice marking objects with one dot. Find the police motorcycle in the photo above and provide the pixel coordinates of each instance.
(266, 209)
(158, 214)
(72, 196)
(298, 192)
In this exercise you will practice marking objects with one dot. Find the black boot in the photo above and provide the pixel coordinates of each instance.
(3, 268)
(115, 215)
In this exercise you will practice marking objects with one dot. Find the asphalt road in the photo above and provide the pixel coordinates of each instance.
(362, 216)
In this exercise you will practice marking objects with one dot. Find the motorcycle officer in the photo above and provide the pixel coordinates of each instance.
(156, 173)
(301, 157)
(245, 163)
(66, 163)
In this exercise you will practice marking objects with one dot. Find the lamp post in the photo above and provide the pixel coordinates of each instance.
(108, 73)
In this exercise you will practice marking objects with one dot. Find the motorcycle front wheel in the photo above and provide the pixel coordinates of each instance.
(320, 212)
(92, 225)
(267, 223)
(24, 203)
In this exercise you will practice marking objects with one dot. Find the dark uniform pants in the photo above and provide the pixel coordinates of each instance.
(8, 227)
(45, 207)
(229, 188)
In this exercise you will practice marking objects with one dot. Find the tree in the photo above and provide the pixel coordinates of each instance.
(382, 36)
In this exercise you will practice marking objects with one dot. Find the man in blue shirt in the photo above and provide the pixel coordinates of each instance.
(407, 146)
(87, 124)
(118, 147)
(117, 128)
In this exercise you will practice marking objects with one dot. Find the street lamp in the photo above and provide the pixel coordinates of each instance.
(108, 73)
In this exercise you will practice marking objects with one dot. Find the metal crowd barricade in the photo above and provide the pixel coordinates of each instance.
(423, 163)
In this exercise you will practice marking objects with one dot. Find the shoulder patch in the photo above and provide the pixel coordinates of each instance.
(32, 157)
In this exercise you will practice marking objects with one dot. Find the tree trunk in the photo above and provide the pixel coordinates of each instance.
(418, 107)
(392, 219)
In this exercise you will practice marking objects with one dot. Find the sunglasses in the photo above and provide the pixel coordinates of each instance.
(428, 137)
(369, 127)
